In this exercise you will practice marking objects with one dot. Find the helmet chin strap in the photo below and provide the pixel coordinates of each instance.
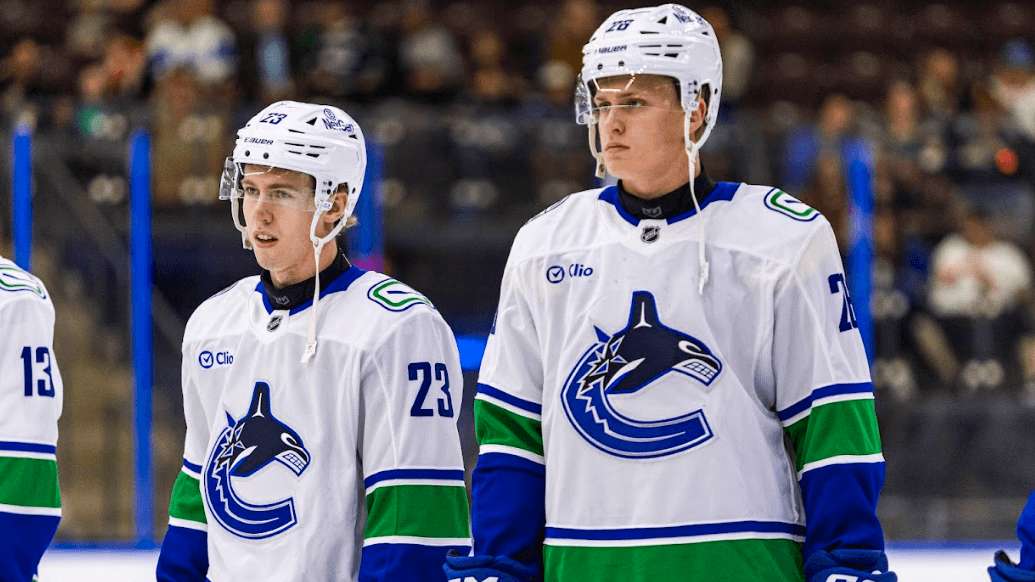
(601, 171)
(692, 149)
(318, 243)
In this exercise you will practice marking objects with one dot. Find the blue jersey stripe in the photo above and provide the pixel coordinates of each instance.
(505, 461)
(841, 507)
(404, 562)
(27, 447)
(509, 399)
(678, 531)
(191, 466)
(23, 539)
(824, 392)
(433, 474)
(184, 555)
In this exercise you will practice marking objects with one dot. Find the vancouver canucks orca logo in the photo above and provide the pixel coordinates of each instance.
(244, 447)
(626, 362)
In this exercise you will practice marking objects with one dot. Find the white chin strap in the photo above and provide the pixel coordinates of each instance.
(318, 243)
(692, 150)
(601, 171)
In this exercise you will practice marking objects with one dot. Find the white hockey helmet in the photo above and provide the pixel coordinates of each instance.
(668, 40)
(319, 140)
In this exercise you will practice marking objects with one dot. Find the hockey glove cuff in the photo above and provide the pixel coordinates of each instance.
(1006, 571)
(848, 566)
(485, 569)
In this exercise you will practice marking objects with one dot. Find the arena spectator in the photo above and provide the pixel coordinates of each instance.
(429, 56)
(266, 60)
(189, 35)
(805, 146)
(939, 85)
(1013, 84)
(342, 57)
(994, 166)
(575, 23)
(979, 284)
(738, 57)
(491, 82)
(32, 71)
(189, 141)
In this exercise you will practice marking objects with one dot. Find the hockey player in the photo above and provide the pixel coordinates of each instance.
(30, 403)
(1004, 570)
(674, 387)
(320, 399)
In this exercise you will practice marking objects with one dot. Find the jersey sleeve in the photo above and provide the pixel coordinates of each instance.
(184, 555)
(30, 404)
(509, 483)
(824, 399)
(413, 470)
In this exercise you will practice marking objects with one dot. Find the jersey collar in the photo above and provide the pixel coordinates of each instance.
(336, 277)
(673, 207)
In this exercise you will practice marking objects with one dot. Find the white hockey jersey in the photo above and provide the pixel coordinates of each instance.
(346, 468)
(681, 435)
(31, 393)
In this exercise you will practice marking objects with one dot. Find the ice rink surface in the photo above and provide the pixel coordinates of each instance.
(927, 562)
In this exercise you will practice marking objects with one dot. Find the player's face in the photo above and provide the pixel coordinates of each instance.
(278, 216)
(641, 140)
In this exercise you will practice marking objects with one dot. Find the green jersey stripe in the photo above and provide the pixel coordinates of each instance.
(424, 511)
(846, 428)
(29, 482)
(186, 503)
(495, 425)
(753, 560)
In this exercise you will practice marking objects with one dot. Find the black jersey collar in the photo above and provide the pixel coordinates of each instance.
(295, 295)
(670, 205)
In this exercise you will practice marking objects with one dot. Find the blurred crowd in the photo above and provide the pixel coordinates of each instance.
(471, 102)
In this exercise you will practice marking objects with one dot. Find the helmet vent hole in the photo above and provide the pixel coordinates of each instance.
(621, 63)
(266, 156)
(313, 155)
(295, 131)
(600, 66)
(247, 153)
(312, 122)
(664, 20)
(672, 55)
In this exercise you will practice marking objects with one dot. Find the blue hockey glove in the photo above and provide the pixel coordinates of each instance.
(1006, 571)
(485, 569)
(848, 566)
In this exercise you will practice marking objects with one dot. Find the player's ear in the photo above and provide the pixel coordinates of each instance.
(338, 204)
(697, 116)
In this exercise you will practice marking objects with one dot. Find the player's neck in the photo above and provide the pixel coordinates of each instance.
(288, 277)
(655, 186)
(296, 294)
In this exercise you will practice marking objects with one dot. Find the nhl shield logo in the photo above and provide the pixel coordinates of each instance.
(650, 234)
(274, 322)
